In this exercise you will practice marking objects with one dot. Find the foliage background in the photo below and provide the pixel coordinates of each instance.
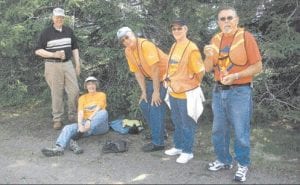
(275, 24)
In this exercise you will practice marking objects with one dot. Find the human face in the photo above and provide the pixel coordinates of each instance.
(228, 21)
(58, 21)
(128, 40)
(179, 32)
(91, 86)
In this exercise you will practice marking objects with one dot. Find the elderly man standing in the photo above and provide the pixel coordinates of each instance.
(234, 57)
(148, 63)
(57, 44)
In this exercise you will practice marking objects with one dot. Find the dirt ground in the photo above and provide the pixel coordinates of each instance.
(23, 134)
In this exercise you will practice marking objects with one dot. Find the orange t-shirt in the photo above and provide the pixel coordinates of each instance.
(149, 53)
(88, 103)
(195, 64)
(253, 56)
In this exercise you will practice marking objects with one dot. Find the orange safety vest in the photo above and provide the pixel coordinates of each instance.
(183, 79)
(237, 52)
(142, 64)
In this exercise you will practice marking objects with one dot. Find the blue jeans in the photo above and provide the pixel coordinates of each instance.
(154, 115)
(232, 108)
(185, 126)
(99, 125)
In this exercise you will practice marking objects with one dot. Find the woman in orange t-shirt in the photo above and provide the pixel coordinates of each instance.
(92, 120)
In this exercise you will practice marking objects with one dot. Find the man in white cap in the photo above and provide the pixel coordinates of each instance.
(57, 45)
(92, 120)
(149, 64)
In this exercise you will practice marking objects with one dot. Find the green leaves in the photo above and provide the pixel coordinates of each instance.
(95, 24)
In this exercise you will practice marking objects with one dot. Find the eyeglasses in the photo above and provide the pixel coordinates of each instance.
(124, 38)
(229, 18)
(178, 29)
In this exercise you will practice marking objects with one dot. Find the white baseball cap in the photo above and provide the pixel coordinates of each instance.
(122, 32)
(58, 12)
(90, 78)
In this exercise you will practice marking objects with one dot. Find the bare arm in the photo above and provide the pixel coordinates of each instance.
(76, 58)
(208, 62)
(156, 85)
(249, 71)
(46, 54)
(87, 126)
(141, 81)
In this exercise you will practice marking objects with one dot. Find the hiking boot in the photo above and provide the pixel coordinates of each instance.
(184, 158)
(50, 152)
(57, 125)
(217, 165)
(72, 119)
(240, 174)
(150, 147)
(173, 151)
(75, 147)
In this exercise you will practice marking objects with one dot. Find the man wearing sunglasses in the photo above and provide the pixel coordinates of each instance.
(148, 63)
(234, 57)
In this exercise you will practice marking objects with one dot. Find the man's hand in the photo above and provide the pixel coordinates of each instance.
(208, 50)
(143, 97)
(156, 99)
(228, 79)
(59, 54)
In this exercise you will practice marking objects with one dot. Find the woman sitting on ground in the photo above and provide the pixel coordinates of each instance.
(92, 120)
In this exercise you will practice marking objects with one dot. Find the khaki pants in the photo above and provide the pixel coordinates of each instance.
(61, 76)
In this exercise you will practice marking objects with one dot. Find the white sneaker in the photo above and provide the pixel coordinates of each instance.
(184, 158)
(240, 174)
(173, 151)
(217, 165)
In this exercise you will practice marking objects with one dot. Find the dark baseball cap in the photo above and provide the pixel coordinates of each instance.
(179, 22)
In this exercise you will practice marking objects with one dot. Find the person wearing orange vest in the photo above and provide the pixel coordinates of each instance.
(148, 63)
(183, 78)
(234, 57)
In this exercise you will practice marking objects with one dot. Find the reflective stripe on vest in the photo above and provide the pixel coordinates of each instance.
(182, 80)
(237, 52)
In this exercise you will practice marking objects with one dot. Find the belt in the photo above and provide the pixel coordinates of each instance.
(56, 60)
(148, 79)
(221, 86)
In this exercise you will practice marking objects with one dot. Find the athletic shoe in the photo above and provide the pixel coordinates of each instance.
(217, 165)
(184, 158)
(240, 174)
(173, 151)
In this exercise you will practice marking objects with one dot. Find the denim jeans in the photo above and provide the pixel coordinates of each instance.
(155, 115)
(99, 125)
(232, 108)
(185, 126)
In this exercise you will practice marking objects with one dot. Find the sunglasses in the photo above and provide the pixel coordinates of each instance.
(178, 29)
(124, 38)
(229, 18)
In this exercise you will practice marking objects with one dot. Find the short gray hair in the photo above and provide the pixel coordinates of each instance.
(226, 8)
